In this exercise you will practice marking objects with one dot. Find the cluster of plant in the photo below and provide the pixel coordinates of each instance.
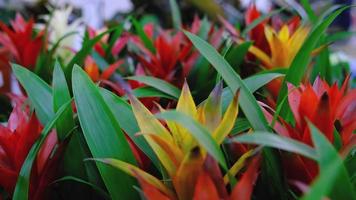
(146, 112)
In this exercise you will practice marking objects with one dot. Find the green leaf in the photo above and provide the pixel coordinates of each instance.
(201, 134)
(141, 33)
(60, 97)
(254, 83)
(247, 101)
(142, 92)
(159, 84)
(278, 142)
(23, 181)
(259, 20)
(236, 56)
(103, 134)
(300, 62)
(38, 91)
(342, 35)
(127, 122)
(177, 21)
(333, 180)
(309, 10)
(241, 124)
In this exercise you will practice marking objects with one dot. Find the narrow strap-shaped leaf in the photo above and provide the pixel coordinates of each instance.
(21, 191)
(177, 21)
(143, 92)
(202, 135)
(276, 141)
(247, 100)
(300, 62)
(333, 180)
(38, 91)
(158, 84)
(309, 10)
(103, 135)
(61, 96)
(254, 83)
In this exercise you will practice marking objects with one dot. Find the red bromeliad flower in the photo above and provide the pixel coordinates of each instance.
(257, 34)
(331, 109)
(16, 140)
(174, 57)
(20, 43)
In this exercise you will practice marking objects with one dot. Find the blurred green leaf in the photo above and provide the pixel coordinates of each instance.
(141, 33)
(177, 21)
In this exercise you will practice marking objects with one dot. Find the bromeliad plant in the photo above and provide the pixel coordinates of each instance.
(117, 119)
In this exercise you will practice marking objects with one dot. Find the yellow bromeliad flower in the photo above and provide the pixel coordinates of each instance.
(284, 46)
(181, 154)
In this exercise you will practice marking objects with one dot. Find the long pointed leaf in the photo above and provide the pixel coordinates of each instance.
(103, 134)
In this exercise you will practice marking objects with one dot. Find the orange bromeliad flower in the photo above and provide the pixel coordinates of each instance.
(193, 171)
(331, 110)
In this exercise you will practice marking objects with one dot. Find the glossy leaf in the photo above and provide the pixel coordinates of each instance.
(247, 101)
(60, 97)
(276, 141)
(159, 84)
(103, 134)
(38, 91)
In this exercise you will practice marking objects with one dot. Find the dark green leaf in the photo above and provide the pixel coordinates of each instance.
(236, 56)
(103, 134)
(38, 91)
(159, 84)
(60, 97)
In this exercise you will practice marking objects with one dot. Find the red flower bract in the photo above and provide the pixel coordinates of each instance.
(330, 109)
(19, 41)
(16, 140)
